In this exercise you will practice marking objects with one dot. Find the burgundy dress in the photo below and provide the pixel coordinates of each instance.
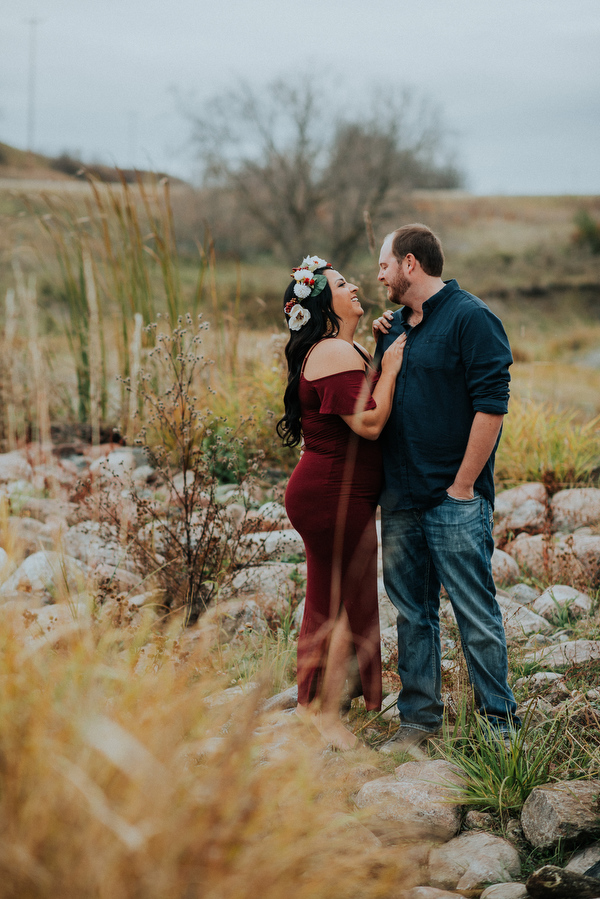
(331, 500)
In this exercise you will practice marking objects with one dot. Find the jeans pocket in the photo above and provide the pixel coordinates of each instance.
(462, 502)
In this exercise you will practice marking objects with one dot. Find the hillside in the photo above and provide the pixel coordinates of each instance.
(21, 165)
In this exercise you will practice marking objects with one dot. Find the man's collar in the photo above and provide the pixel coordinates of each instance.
(430, 304)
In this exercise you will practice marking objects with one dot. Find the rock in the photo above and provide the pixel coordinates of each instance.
(575, 508)
(537, 682)
(572, 652)
(523, 593)
(504, 568)
(420, 798)
(47, 572)
(279, 580)
(50, 510)
(274, 544)
(506, 891)
(95, 546)
(583, 860)
(561, 811)
(272, 512)
(519, 620)
(232, 618)
(116, 464)
(575, 558)
(32, 534)
(390, 712)
(522, 508)
(389, 644)
(426, 893)
(472, 860)
(4, 559)
(143, 474)
(107, 575)
(475, 820)
(14, 467)
(509, 500)
(288, 699)
(387, 610)
(535, 712)
(561, 596)
(551, 882)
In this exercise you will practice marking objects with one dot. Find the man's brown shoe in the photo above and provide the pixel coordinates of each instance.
(407, 737)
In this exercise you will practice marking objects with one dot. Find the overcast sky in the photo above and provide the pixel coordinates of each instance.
(517, 81)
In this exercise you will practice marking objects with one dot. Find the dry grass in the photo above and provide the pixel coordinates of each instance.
(120, 777)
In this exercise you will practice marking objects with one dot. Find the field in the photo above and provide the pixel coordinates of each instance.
(123, 770)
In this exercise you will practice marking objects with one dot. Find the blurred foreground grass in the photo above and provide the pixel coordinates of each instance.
(122, 775)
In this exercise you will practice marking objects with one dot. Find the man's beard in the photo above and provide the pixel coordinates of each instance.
(398, 288)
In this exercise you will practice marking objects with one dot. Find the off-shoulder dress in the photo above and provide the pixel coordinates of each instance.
(331, 500)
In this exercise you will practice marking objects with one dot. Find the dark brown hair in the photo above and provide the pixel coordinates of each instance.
(423, 244)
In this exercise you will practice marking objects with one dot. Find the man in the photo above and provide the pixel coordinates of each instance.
(437, 502)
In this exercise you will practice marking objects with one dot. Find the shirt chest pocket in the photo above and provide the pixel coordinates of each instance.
(431, 352)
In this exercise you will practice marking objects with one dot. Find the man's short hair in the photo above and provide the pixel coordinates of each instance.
(423, 244)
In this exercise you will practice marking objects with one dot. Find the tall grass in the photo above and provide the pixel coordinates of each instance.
(540, 443)
(121, 777)
(128, 232)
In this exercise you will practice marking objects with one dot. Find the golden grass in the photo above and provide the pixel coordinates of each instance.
(541, 443)
(121, 777)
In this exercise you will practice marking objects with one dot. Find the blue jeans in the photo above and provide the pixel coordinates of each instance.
(452, 545)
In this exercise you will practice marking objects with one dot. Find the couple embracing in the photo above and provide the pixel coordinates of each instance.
(414, 429)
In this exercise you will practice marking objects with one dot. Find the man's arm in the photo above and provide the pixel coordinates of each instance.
(482, 440)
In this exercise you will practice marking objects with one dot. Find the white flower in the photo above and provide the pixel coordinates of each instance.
(303, 274)
(298, 317)
(312, 263)
(302, 291)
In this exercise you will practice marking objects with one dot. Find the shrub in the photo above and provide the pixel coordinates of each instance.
(587, 233)
(188, 540)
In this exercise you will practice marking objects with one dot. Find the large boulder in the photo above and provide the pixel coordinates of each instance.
(278, 544)
(572, 652)
(420, 798)
(14, 467)
(575, 558)
(50, 573)
(518, 619)
(523, 508)
(575, 508)
(504, 568)
(583, 860)
(472, 860)
(119, 464)
(561, 811)
(95, 545)
(561, 597)
(506, 891)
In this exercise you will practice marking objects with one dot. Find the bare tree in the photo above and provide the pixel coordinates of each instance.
(306, 172)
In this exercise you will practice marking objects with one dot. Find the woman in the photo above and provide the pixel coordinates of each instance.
(337, 404)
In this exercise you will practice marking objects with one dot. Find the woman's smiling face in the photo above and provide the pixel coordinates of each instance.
(345, 303)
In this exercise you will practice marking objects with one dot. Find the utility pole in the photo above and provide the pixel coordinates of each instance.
(31, 84)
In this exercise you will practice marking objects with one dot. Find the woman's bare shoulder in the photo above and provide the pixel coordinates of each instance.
(364, 351)
(330, 357)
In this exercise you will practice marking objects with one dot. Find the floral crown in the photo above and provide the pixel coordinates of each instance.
(307, 285)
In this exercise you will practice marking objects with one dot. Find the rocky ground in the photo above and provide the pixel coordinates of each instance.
(59, 570)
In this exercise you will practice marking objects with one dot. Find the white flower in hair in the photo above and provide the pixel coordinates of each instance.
(312, 263)
(298, 317)
(303, 274)
(302, 291)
